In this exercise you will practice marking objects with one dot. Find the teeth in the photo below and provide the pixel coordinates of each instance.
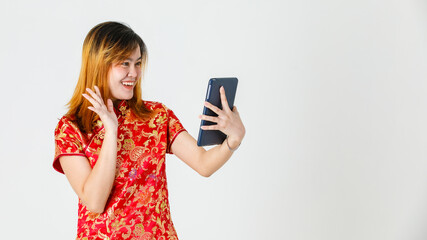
(128, 83)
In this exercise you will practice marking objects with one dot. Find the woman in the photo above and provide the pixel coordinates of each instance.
(111, 144)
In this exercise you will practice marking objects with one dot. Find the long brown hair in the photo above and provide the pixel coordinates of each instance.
(105, 44)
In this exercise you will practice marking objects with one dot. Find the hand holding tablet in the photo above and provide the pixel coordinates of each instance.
(220, 119)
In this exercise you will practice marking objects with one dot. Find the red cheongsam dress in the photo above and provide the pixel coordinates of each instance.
(138, 206)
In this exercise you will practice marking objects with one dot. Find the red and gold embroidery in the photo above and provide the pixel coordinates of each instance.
(138, 206)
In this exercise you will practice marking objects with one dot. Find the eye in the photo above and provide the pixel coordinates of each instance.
(125, 64)
(138, 64)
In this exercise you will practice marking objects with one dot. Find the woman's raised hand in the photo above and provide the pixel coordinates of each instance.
(105, 112)
(228, 121)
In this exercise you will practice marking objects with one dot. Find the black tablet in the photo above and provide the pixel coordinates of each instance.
(213, 137)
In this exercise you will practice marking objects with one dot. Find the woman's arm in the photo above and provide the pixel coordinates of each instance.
(202, 161)
(93, 186)
(207, 162)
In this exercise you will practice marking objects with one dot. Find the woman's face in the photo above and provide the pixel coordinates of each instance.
(122, 76)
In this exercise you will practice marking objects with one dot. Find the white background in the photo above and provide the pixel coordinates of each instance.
(333, 95)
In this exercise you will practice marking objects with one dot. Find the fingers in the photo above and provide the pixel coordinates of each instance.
(210, 127)
(212, 107)
(93, 109)
(110, 105)
(235, 110)
(95, 98)
(91, 100)
(224, 101)
(98, 93)
(226, 122)
(209, 118)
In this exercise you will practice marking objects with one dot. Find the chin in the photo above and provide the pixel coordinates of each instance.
(124, 97)
(127, 98)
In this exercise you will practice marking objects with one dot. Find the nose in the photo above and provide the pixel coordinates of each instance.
(133, 72)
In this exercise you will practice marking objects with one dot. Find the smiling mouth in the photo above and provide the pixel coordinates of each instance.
(129, 84)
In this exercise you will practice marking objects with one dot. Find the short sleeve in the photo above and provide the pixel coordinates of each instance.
(68, 141)
(174, 128)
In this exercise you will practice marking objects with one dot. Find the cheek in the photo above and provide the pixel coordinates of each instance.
(116, 77)
(113, 81)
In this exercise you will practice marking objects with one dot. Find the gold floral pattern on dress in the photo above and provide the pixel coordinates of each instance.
(128, 144)
(138, 206)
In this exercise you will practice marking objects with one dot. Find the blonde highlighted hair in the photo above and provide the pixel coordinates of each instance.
(105, 44)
